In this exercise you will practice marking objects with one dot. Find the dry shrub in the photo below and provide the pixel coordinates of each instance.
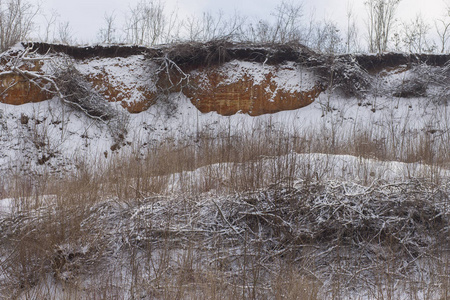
(290, 285)
(171, 243)
(260, 244)
(411, 88)
(242, 225)
(344, 74)
(417, 84)
(78, 92)
(422, 77)
(49, 241)
(442, 79)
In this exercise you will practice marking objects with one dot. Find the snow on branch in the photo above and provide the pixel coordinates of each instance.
(64, 81)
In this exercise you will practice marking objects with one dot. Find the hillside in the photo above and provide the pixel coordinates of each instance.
(223, 170)
(175, 82)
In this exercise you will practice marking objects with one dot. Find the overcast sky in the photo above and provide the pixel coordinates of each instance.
(86, 16)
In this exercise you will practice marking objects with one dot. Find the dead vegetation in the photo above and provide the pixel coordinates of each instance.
(78, 93)
(347, 73)
(64, 81)
(256, 223)
(174, 244)
(249, 220)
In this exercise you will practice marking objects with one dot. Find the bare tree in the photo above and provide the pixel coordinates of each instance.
(193, 28)
(146, 23)
(287, 25)
(397, 41)
(49, 26)
(351, 37)
(108, 33)
(65, 35)
(16, 21)
(212, 27)
(443, 30)
(414, 35)
(260, 32)
(328, 39)
(380, 21)
(309, 30)
(173, 26)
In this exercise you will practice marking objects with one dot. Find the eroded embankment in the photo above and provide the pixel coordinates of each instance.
(137, 77)
(216, 76)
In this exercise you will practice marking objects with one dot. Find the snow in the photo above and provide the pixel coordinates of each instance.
(5, 206)
(82, 137)
(129, 74)
(68, 137)
(44, 134)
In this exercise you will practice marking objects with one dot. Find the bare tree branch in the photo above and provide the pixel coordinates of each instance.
(16, 21)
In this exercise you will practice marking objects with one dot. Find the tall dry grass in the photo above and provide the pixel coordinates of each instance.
(56, 244)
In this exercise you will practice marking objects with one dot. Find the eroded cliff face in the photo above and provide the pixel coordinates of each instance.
(223, 78)
(16, 88)
(128, 81)
(251, 88)
(136, 82)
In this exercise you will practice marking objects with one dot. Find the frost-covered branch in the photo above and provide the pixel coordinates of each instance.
(64, 81)
(171, 69)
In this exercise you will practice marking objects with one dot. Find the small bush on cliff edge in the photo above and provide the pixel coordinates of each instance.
(342, 73)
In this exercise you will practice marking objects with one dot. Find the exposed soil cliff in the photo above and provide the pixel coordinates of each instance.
(217, 76)
(235, 88)
(16, 90)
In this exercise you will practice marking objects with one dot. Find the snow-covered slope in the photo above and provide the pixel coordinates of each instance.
(400, 104)
(55, 137)
(346, 197)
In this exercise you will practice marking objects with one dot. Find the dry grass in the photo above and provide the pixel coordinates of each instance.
(287, 241)
(238, 216)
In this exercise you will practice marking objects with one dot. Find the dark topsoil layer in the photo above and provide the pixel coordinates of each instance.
(194, 55)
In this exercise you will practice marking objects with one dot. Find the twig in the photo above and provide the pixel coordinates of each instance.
(225, 219)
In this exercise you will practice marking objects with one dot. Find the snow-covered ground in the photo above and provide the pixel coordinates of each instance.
(51, 138)
(5, 206)
(56, 136)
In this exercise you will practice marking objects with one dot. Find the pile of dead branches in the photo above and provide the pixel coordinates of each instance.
(408, 218)
(328, 230)
(77, 92)
(412, 217)
(317, 227)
